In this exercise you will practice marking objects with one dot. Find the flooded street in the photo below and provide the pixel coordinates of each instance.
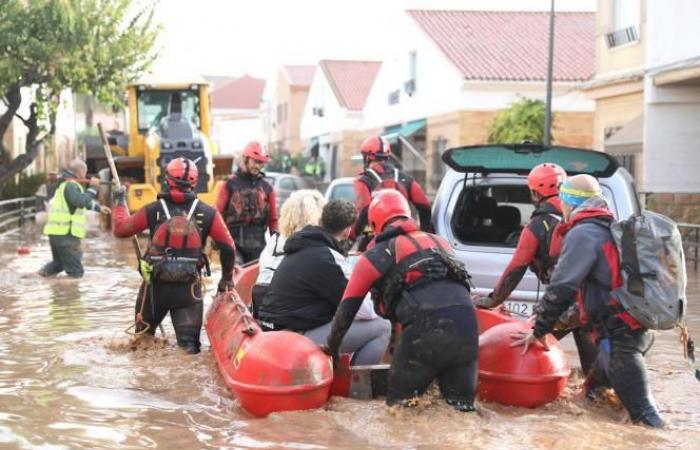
(69, 380)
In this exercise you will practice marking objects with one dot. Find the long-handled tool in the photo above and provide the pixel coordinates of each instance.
(135, 241)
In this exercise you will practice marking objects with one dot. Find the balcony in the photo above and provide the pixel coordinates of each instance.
(622, 37)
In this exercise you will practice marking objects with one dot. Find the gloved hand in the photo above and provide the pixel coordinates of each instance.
(333, 354)
(225, 286)
(483, 302)
(119, 195)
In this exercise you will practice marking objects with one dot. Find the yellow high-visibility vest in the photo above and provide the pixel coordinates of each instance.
(60, 221)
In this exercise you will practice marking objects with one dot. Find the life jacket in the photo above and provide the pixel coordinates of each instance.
(543, 222)
(248, 201)
(175, 250)
(425, 264)
(388, 178)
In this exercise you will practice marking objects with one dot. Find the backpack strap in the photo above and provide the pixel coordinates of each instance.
(166, 211)
(374, 174)
(192, 208)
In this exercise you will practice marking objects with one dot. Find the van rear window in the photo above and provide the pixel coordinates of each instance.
(492, 215)
(521, 158)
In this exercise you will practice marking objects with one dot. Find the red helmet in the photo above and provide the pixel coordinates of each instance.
(256, 151)
(387, 204)
(545, 179)
(181, 174)
(375, 147)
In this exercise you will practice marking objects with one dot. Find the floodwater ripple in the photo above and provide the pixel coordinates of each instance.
(69, 379)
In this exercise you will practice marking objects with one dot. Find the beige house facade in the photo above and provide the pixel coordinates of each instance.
(618, 85)
(443, 87)
(291, 92)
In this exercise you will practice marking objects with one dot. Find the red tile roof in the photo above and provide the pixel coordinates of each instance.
(512, 46)
(299, 75)
(242, 93)
(351, 80)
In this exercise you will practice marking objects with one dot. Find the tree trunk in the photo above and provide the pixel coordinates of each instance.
(21, 162)
(13, 98)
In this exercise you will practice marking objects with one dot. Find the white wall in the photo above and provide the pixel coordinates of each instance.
(479, 96)
(671, 113)
(671, 138)
(232, 134)
(438, 82)
(335, 118)
(673, 31)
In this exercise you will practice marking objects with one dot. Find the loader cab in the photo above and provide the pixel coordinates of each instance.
(174, 116)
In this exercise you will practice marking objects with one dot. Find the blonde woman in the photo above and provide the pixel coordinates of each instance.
(303, 207)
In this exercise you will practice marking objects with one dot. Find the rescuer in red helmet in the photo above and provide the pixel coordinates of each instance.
(538, 248)
(416, 281)
(248, 203)
(172, 266)
(378, 174)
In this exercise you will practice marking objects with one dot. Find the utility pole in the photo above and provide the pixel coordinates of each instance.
(550, 63)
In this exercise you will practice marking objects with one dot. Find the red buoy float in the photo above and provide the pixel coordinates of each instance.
(508, 377)
(489, 318)
(23, 250)
(266, 372)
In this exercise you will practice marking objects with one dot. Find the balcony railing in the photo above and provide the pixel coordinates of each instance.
(623, 36)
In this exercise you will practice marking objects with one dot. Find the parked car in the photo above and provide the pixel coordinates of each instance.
(341, 189)
(285, 184)
(483, 202)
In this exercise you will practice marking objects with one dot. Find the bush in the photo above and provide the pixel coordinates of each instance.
(25, 187)
(523, 120)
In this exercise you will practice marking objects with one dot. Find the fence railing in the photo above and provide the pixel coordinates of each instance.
(14, 213)
(691, 241)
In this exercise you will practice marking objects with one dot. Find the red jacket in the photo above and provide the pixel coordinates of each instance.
(365, 184)
(533, 250)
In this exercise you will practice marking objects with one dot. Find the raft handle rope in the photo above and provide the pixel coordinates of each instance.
(245, 317)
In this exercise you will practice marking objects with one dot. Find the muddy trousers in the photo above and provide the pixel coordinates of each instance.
(187, 320)
(441, 344)
(585, 344)
(66, 254)
(620, 365)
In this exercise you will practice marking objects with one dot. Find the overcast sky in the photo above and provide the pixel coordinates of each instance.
(234, 37)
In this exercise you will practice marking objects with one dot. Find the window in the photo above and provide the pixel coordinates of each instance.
(410, 85)
(287, 183)
(154, 105)
(343, 192)
(627, 161)
(625, 26)
(625, 14)
(439, 147)
(492, 215)
(394, 97)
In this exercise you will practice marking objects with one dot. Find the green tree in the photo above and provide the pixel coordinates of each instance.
(522, 120)
(94, 47)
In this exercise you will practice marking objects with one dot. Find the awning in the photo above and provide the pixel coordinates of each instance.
(628, 139)
(406, 130)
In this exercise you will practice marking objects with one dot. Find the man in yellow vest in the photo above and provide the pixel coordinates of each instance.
(65, 225)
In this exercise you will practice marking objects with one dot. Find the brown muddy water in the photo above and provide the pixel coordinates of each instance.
(68, 380)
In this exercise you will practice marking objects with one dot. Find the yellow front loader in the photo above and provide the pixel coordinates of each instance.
(167, 120)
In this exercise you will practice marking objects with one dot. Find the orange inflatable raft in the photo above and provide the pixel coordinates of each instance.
(266, 372)
(280, 371)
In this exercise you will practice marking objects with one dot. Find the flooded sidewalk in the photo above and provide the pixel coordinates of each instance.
(69, 379)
